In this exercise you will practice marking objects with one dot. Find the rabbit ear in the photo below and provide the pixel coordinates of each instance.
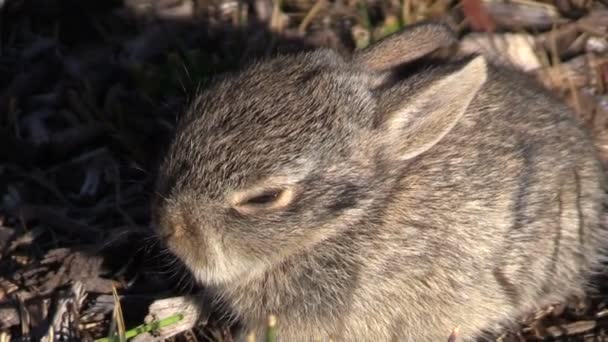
(405, 46)
(422, 121)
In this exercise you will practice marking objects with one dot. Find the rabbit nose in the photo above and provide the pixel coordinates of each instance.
(176, 227)
(175, 223)
(181, 225)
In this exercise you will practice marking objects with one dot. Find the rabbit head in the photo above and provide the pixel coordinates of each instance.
(290, 151)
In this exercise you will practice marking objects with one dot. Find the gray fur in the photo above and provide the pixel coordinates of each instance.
(501, 216)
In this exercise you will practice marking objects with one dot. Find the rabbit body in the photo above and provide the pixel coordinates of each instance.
(382, 237)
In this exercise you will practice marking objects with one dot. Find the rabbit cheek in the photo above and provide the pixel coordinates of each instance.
(223, 266)
(209, 260)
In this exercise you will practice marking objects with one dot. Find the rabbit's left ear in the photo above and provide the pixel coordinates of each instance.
(405, 46)
(423, 119)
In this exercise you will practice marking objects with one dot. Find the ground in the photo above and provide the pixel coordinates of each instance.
(90, 92)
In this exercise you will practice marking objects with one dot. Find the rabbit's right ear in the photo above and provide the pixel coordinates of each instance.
(405, 46)
(415, 124)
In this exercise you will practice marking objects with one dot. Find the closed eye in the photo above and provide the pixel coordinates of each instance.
(264, 198)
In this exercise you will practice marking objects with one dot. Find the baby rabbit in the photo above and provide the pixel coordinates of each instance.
(359, 200)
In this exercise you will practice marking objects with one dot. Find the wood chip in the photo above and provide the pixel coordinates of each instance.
(508, 49)
(571, 328)
(66, 315)
(189, 306)
(523, 14)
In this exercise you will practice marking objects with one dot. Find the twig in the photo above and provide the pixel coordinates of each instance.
(319, 4)
(68, 307)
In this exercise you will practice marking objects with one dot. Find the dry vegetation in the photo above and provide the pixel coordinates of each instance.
(90, 92)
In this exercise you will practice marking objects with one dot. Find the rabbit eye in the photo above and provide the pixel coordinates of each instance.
(264, 198)
(263, 201)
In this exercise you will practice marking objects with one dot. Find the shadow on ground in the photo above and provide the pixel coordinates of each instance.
(89, 95)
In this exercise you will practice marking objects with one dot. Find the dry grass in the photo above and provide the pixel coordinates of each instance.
(90, 93)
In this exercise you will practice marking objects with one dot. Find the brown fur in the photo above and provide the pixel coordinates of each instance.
(456, 194)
